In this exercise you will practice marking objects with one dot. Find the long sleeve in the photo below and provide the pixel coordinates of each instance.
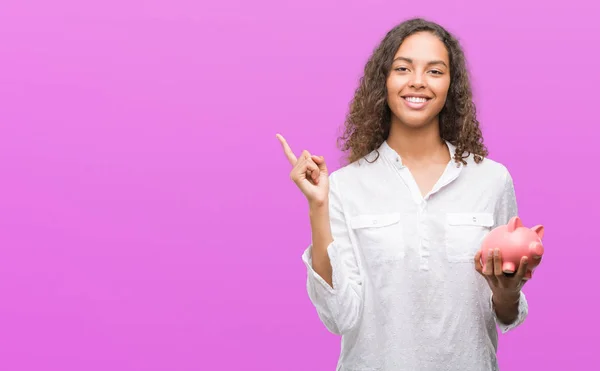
(507, 208)
(339, 307)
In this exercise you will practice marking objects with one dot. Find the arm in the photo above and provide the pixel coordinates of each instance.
(334, 282)
(509, 309)
(321, 239)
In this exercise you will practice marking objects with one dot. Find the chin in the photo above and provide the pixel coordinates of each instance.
(415, 121)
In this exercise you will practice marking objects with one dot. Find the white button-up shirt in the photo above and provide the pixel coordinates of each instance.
(406, 295)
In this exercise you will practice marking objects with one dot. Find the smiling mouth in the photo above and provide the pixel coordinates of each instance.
(416, 99)
(416, 103)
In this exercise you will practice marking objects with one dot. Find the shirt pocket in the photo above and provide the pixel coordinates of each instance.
(464, 234)
(379, 236)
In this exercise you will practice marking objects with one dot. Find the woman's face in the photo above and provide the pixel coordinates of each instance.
(418, 82)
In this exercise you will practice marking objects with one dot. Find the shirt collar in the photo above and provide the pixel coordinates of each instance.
(394, 158)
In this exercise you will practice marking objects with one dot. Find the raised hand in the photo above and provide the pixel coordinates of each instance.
(309, 172)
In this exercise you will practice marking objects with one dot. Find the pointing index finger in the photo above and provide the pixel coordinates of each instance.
(287, 150)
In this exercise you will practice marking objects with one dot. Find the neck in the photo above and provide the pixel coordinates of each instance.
(418, 144)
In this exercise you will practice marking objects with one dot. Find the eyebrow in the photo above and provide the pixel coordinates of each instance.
(428, 63)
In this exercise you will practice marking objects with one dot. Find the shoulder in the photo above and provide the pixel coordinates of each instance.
(488, 168)
(492, 175)
(366, 166)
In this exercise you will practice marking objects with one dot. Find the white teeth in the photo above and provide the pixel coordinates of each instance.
(416, 100)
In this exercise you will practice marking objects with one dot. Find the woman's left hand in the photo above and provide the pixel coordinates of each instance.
(502, 285)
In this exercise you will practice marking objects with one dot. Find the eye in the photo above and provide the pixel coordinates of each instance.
(436, 72)
(401, 69)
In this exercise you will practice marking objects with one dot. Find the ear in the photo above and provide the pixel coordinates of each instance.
(514, 223)
(539, 229)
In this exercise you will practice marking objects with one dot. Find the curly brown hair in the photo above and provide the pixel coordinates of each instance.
(368, 121)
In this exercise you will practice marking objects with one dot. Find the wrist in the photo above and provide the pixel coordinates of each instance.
(506, 298)
(318, 206)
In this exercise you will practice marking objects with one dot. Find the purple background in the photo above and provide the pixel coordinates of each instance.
(147, 221)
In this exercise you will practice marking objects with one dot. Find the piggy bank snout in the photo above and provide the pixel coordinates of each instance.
(536, 248)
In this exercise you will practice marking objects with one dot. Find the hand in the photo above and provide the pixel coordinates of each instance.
(502, 285)
(310, 174)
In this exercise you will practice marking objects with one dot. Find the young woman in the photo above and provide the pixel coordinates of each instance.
(394, 266)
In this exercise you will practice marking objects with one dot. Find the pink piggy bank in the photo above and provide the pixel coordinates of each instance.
(515, 241)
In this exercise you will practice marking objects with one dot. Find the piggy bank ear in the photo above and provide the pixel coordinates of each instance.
(514, 223)
(539, 230)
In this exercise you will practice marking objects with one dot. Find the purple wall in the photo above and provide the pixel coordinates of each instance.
(147, 221)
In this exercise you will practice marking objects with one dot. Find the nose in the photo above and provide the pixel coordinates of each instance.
(417, 81)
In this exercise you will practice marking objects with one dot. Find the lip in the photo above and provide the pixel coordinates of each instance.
(415, 105)
(416, 95)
